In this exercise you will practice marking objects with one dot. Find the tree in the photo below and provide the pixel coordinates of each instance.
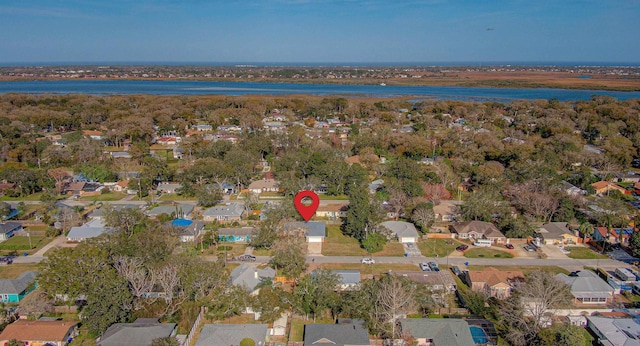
(247, 342)
(423, 216)
(543, 294)
(209, 195)
(634, 244)
(35, 304)
(289, 256)
(168, 341)
(363, 214)
(586, 229)
(125, 221)
(562, 335)
(394, 299)
(269, 303)
(5, 210)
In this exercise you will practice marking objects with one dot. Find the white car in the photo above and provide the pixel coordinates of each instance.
(368, 261)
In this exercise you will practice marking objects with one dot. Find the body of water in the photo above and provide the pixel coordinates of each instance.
(128, 87)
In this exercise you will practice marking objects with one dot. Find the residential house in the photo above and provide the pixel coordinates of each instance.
(571, 190)
(615, 331)
(236, 235)
(93, 134)
(120, 155)
(202, 127)
(436, 331)
(349, 279)
(629, 177)
(478, 230)
(187, 231)
(227, 188)
(179, 211)
(344, 333)
(557, 233)
(614, 236)
(13, 290)
(224, 213)
(587, 287)
(139, 333)
(604, 187)
(50, 333)
(98, 214)
(376, 185)
(446, 211)
(8, 229)
(314, 231)
(166, 187)
(264, 185)
(332, 211)
(91, 229)
(405, 231)
(493, 282)
(232, 334)
(436, 192)
(73, 188)
(249, 276)
(120, 186)
(440, 281)
(6, 187)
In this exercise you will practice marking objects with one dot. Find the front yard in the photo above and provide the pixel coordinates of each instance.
(436, 247)
(579, 252)
(20, 244)
(12, 271)
(486, 253)
(338, 244)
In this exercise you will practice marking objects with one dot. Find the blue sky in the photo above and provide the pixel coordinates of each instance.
(319, 31)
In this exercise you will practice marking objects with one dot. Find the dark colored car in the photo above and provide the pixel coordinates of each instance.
(456, 270)
(247, 258)
(462, 247)
(509, 246)
(434, 266)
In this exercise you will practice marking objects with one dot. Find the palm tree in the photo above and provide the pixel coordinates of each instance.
(586, 228)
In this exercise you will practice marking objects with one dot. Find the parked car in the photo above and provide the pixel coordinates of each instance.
(462, 247)
(247, 258)
(529, 248)
(424, 267)
(509, 246)
(456, 270)
(434, 266)
(368, 260)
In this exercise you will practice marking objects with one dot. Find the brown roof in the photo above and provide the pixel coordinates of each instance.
(600, 185)
(37, 330)
(334, 207)
(92, 133)
(485, 228)
(493, 276)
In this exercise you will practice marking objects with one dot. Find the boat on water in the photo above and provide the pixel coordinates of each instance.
(383, 84)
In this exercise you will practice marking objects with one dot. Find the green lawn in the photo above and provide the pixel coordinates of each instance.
(437, 247)
(486, 253)
(175, 197)
(579, 252)
(524, 269)
(338, 244)
(23, 241)
(109, 196)
(370, 268)
(334, 198)
(12, 271)
(33, 197)
(297, 327)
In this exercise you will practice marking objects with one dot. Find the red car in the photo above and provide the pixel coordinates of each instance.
(509, 246)
(462, 247)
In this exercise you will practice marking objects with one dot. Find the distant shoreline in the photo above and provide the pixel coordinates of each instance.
(605, 78)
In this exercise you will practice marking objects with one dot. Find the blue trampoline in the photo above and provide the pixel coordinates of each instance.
(181, 223)
(478, 335)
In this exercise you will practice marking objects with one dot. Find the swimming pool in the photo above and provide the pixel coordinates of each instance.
(478, 335)
(181, 223)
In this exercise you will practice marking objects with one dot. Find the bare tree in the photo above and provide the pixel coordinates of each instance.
(36, 304)
(397, 200)
(168, 277)
(423, 215)
(394, 300)
(524, 313)
(141, 280)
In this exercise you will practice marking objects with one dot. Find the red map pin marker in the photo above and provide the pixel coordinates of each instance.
(306, 211)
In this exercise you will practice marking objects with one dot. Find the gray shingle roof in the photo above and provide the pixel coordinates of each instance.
(245, 275)
(586, 283)
(7, 227)
(401, 229)
(232, 334)
(186, 209)
(448, 331)
(312, 228)
(17, 286)
(233, 209)
(335, 334)
(140, 333)
(348, 277)
(554, 230)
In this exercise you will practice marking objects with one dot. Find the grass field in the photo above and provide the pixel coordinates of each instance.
(370, 268)
(12, 271)
(106, 197)
(579, 252)
(338, 244)
(524, 269)
(36, 243)
(437, 247)
(175, 197)
(486, 253)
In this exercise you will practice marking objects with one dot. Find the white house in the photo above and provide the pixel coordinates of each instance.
(405, 231)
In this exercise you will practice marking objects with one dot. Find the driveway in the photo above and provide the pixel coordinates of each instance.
(411, 250)
(553, 251)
